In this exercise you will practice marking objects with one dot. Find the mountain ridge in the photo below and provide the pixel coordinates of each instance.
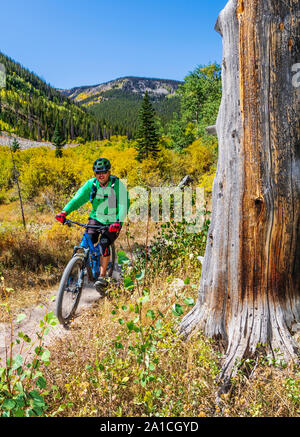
(93, 94)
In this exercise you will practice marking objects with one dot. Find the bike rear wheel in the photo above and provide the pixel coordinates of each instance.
(70, 289)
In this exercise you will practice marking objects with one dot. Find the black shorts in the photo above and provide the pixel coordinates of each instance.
(106, 239)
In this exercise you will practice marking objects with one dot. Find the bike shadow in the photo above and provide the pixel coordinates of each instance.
(91, 295)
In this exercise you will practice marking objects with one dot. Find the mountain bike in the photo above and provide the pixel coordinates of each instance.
(85, 263)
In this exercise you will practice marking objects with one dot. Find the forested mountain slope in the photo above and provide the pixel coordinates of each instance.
(31, 108)
(116, 103)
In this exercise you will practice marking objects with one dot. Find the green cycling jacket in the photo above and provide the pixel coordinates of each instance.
(110, 204)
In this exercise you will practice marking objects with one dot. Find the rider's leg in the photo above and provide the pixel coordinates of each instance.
(101, 283)
(94, 235)
(106, 239)
(104, 260)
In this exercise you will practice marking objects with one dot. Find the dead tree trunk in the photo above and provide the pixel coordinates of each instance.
(249, 291)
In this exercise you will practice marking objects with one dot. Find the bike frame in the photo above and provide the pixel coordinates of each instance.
(93, 257)
(91, 253)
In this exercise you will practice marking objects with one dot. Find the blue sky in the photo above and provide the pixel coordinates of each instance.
(73, 42)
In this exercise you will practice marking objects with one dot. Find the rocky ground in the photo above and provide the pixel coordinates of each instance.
(5, 140)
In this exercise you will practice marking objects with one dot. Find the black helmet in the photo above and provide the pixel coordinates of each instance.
(101, 164)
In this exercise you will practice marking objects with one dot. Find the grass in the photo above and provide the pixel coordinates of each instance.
(177, 379)
(112, 377)
(124, 356)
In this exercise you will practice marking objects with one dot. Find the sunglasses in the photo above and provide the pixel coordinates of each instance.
(101, 172)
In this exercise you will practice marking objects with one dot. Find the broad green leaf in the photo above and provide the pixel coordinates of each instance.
(37, 399)
(20, 400)
(38, 350)
(50, 317)
(45, 355)
(20, 317)
(151, 367)
(140, 276)
(38, 404)
(119, 345)
(130, 325)
(128, 283)
(41, 382)
(18, 361)
(158, 324)
(122, 258)
(150, 313)
(189, 301)
(143, 299)
(177, 309)
(19, 413)
(8, 404)
(24, 337)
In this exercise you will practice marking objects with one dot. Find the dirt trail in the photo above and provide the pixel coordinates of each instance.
(31, 324)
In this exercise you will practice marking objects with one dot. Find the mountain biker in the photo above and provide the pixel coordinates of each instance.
(110, 205)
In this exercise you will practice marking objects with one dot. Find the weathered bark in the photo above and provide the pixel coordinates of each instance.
(212, 130)
(249, 291)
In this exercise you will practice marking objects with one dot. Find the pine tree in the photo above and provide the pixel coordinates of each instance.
(147, 136)
(15, 145)
(58, 141)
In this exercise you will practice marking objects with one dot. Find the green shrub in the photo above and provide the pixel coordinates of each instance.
(23, 385)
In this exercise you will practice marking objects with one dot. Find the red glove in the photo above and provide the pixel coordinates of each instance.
(61, 217)
(115, 227)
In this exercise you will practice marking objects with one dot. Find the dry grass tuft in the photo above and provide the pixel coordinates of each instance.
(98, 378)
(123, 356)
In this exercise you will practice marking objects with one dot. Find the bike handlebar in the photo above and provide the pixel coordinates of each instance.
(99, 227)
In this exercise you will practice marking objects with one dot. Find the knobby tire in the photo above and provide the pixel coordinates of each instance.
(69, 291)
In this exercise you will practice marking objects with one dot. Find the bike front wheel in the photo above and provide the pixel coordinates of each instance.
(70, 289)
